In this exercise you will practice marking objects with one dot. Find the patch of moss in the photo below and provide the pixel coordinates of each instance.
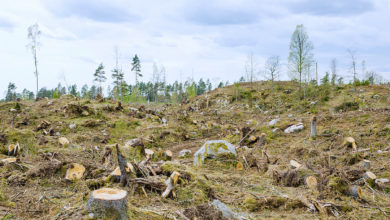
(347, 106)
(338, 185)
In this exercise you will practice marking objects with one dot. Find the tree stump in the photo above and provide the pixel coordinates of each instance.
(75, 172)
(355, 191)
(13, 150)
(350, 142)
(108, 202)
(168, 154)
(313, 128)
(366, 164)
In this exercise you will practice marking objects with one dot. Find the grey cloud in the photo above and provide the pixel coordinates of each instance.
(98, 10)
(333, 8)
(206, 13)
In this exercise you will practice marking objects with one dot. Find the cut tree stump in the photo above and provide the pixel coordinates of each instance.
(13, 149)
(355, 191)
(366, 164)
(168, 154)
(311, 182)
(149, 153)
(75, 172)
(63, 141)
(110, 203)
(350, 142)
(170, 183)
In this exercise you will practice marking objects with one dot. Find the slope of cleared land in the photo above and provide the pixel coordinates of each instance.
(266, 187)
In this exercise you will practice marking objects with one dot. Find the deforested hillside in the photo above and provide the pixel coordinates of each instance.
(246, 151)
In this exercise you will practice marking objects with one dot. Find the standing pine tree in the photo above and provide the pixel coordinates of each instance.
(136, 67)
(11, 92)
(100, 77)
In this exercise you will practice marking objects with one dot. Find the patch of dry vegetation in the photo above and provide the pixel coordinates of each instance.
(259, 183)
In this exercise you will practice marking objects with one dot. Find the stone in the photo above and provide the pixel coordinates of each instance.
(375, 96)
(294, 128)
(213, 148)
(185, 152)
(294, 164)
(72, 126)
(164, 121)
(226, 211)
(273, 122)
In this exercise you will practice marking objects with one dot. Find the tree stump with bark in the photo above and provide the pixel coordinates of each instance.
(109, 203)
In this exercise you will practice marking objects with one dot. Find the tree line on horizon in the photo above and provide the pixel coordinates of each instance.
(301, 68)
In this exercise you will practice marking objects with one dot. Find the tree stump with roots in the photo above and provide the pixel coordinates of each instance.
(108, 202)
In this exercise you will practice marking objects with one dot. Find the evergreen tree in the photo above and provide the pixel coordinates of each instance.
(325, 79)
(73, 90)
(11, 92)
(100, 77)
(201, 87)
(136, 67)
(118, 76)
(84, 91)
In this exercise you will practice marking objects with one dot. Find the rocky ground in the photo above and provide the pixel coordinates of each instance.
(54, 153)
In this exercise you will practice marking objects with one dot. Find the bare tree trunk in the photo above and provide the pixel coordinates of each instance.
(313, 128)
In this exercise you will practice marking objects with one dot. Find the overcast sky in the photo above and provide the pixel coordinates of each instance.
(192, 38)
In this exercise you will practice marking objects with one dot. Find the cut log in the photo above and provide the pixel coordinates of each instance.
(75, 172)
(8, 160)
(311, 182)
(170, 183)
(313, 128)
(295, 165)
(13, 149)
(382, 183)
(168, 154)
(109, 203)
(350, 142)
(366, 164)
